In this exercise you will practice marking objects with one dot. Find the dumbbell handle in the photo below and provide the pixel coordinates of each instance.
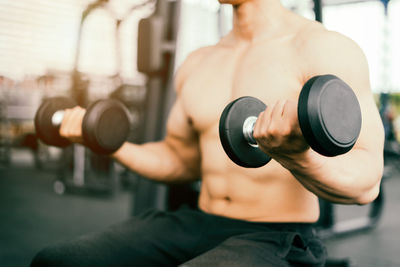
(248, 129)
(57, 118)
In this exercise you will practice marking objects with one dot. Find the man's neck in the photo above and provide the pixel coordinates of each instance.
(257, 19)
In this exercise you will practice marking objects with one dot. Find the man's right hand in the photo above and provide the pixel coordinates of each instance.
(71, 126)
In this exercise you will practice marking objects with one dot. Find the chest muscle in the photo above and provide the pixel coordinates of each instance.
(224, 75)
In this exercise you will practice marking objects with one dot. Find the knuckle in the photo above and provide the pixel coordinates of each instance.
(76, 133)
(286, 131)
(256, 132)
(272, 131)
(68, 133)
(64, 133)
(258, 136)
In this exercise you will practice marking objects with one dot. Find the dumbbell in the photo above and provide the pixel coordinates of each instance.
(105, 125)
(329, 117)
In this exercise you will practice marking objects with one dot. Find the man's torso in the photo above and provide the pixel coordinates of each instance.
(270, 69)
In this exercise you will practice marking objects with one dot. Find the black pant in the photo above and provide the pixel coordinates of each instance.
(190, 238)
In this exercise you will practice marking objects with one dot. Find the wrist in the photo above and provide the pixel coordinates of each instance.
(302, 162)
(118, 153)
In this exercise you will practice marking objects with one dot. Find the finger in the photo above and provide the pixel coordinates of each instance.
(65, 123)
(76, 121)
(277, 121)
(72, 122)
(290, 113)
(262, 123)
(277, 111)
(257, 124)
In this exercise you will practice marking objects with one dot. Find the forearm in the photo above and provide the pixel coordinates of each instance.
(157, 161)
(352, 178)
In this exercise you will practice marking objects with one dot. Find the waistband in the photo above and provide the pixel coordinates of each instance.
(306, 229)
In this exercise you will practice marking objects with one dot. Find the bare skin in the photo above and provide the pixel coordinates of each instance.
(269, 54)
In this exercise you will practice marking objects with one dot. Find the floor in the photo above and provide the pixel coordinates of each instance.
(378, 247)
(33, 216)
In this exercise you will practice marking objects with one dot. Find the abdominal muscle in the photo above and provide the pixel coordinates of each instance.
(267, 194)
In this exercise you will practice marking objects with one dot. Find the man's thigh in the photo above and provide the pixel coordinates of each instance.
(153, 239)
(263, 249)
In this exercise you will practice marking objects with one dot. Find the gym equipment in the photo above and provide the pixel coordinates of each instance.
(105, 125)
(156, 61)
(45, 129)
(329, 117)
(153, 42)
(236, 121)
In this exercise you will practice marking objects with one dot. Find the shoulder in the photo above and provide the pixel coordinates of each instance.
(323, 51)
(189, 65)
(330, 44)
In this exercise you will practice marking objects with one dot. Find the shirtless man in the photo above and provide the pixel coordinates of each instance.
(247, 217)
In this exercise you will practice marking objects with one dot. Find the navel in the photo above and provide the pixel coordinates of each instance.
(190, 121)
(227, 198)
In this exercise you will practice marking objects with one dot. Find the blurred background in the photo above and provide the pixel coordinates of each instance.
(129, 50)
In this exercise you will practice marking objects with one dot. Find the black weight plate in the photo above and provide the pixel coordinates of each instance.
(329, 115)
(105, 126)
(45, 130)
(231, 132)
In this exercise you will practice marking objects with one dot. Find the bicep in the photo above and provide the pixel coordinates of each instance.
(181, 136)
(353, 69)
(340, 56)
